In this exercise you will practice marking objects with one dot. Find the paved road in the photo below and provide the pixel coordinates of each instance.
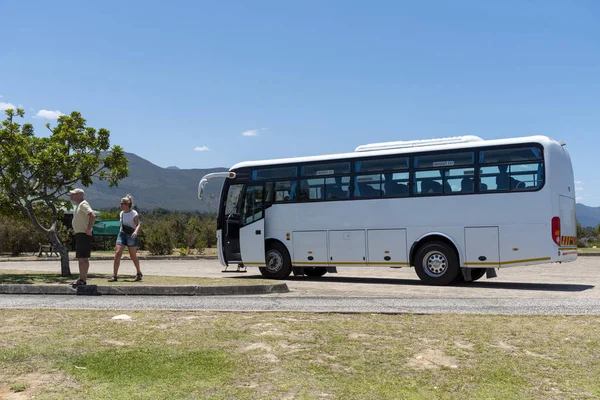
(311, 304)
(572, 288)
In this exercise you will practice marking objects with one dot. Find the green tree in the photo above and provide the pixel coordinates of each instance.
(580, 231)
(192, 232)
(37, 172)
(158, 239)
(18, 235)
(208, 234)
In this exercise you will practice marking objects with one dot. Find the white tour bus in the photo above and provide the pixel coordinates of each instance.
(453, 208)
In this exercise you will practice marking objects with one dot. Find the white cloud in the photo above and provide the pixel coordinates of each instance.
(579, 188)
(6, 106)
(201, 148)
(253, 132)
(46, 114)
(578, 183)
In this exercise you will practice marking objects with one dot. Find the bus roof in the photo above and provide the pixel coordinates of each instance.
(543, 140)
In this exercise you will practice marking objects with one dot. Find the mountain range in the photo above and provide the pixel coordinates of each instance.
(155, 187)
(587, 216)
(176, 189)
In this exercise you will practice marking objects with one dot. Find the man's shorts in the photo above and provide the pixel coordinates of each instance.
(83, 245)
(126, 240)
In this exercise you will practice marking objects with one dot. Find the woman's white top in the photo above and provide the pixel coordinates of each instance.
(127, 218)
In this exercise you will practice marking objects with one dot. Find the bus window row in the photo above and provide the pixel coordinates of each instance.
(505, 169)
(524, 177)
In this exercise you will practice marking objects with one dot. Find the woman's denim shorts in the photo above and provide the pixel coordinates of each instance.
(126, 240)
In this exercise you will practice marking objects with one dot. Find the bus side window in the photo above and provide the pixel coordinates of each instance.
(293, 188)
(430, 186)
(367, 186)
(337, 187)
(447, 187)
(253, 204)
(502, 179)
(311, 189)
(466, 185)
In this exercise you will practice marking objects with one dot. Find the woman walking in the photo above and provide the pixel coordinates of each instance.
(130, 225)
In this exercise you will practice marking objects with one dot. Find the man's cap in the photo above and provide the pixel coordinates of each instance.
(77, 191)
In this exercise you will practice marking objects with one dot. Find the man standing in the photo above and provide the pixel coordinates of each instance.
(83, 222)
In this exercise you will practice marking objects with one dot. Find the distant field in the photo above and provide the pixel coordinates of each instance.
(588, 250)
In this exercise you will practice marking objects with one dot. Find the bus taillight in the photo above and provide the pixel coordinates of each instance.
(556, 230)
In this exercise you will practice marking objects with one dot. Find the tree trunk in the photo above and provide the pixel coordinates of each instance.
(65, 269)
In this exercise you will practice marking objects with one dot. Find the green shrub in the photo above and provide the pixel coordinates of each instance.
(18, 235)
(158, 238)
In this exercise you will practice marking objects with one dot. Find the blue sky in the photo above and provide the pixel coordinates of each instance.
(208, 84)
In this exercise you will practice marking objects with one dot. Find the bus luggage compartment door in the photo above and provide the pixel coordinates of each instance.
(482, 247)
(347, 248)
(310, 248)
(387, 247)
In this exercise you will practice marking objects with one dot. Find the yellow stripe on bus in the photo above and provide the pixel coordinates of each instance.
(324, 263)
(508, 262)
(388, 263)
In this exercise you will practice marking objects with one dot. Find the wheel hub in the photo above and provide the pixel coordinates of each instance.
(274, 261)
(435, 264)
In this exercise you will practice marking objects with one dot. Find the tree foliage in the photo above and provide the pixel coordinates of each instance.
(37, 172)
(18, 235)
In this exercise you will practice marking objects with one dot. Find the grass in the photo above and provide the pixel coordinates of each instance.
(189, 355)
(51, 278)
(19, 387)
(588, 250)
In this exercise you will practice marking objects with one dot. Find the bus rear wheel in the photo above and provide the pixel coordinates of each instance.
(477, 273)
(315, 272)
(436, 263)
(278, 262)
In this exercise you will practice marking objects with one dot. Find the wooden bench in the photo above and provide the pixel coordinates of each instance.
(47, 249)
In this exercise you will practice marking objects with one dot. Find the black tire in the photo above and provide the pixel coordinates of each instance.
(436, 263)
(278, 262)
(477, 273)
(315, 272)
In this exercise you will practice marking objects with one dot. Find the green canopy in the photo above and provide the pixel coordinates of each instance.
(106, 228)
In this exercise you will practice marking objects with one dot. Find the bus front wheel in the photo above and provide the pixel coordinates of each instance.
(278, 263)
(437, 264)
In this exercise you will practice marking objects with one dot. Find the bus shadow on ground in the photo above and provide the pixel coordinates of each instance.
(484, 284)
(546, 287)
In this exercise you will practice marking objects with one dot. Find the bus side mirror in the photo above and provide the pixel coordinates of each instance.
(201, 185)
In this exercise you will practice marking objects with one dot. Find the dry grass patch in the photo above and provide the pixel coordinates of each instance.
(161, 354)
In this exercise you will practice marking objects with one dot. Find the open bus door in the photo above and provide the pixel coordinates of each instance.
(252, 227)
(243, 225)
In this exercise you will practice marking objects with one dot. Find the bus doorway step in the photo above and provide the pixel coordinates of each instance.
(240, 269)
